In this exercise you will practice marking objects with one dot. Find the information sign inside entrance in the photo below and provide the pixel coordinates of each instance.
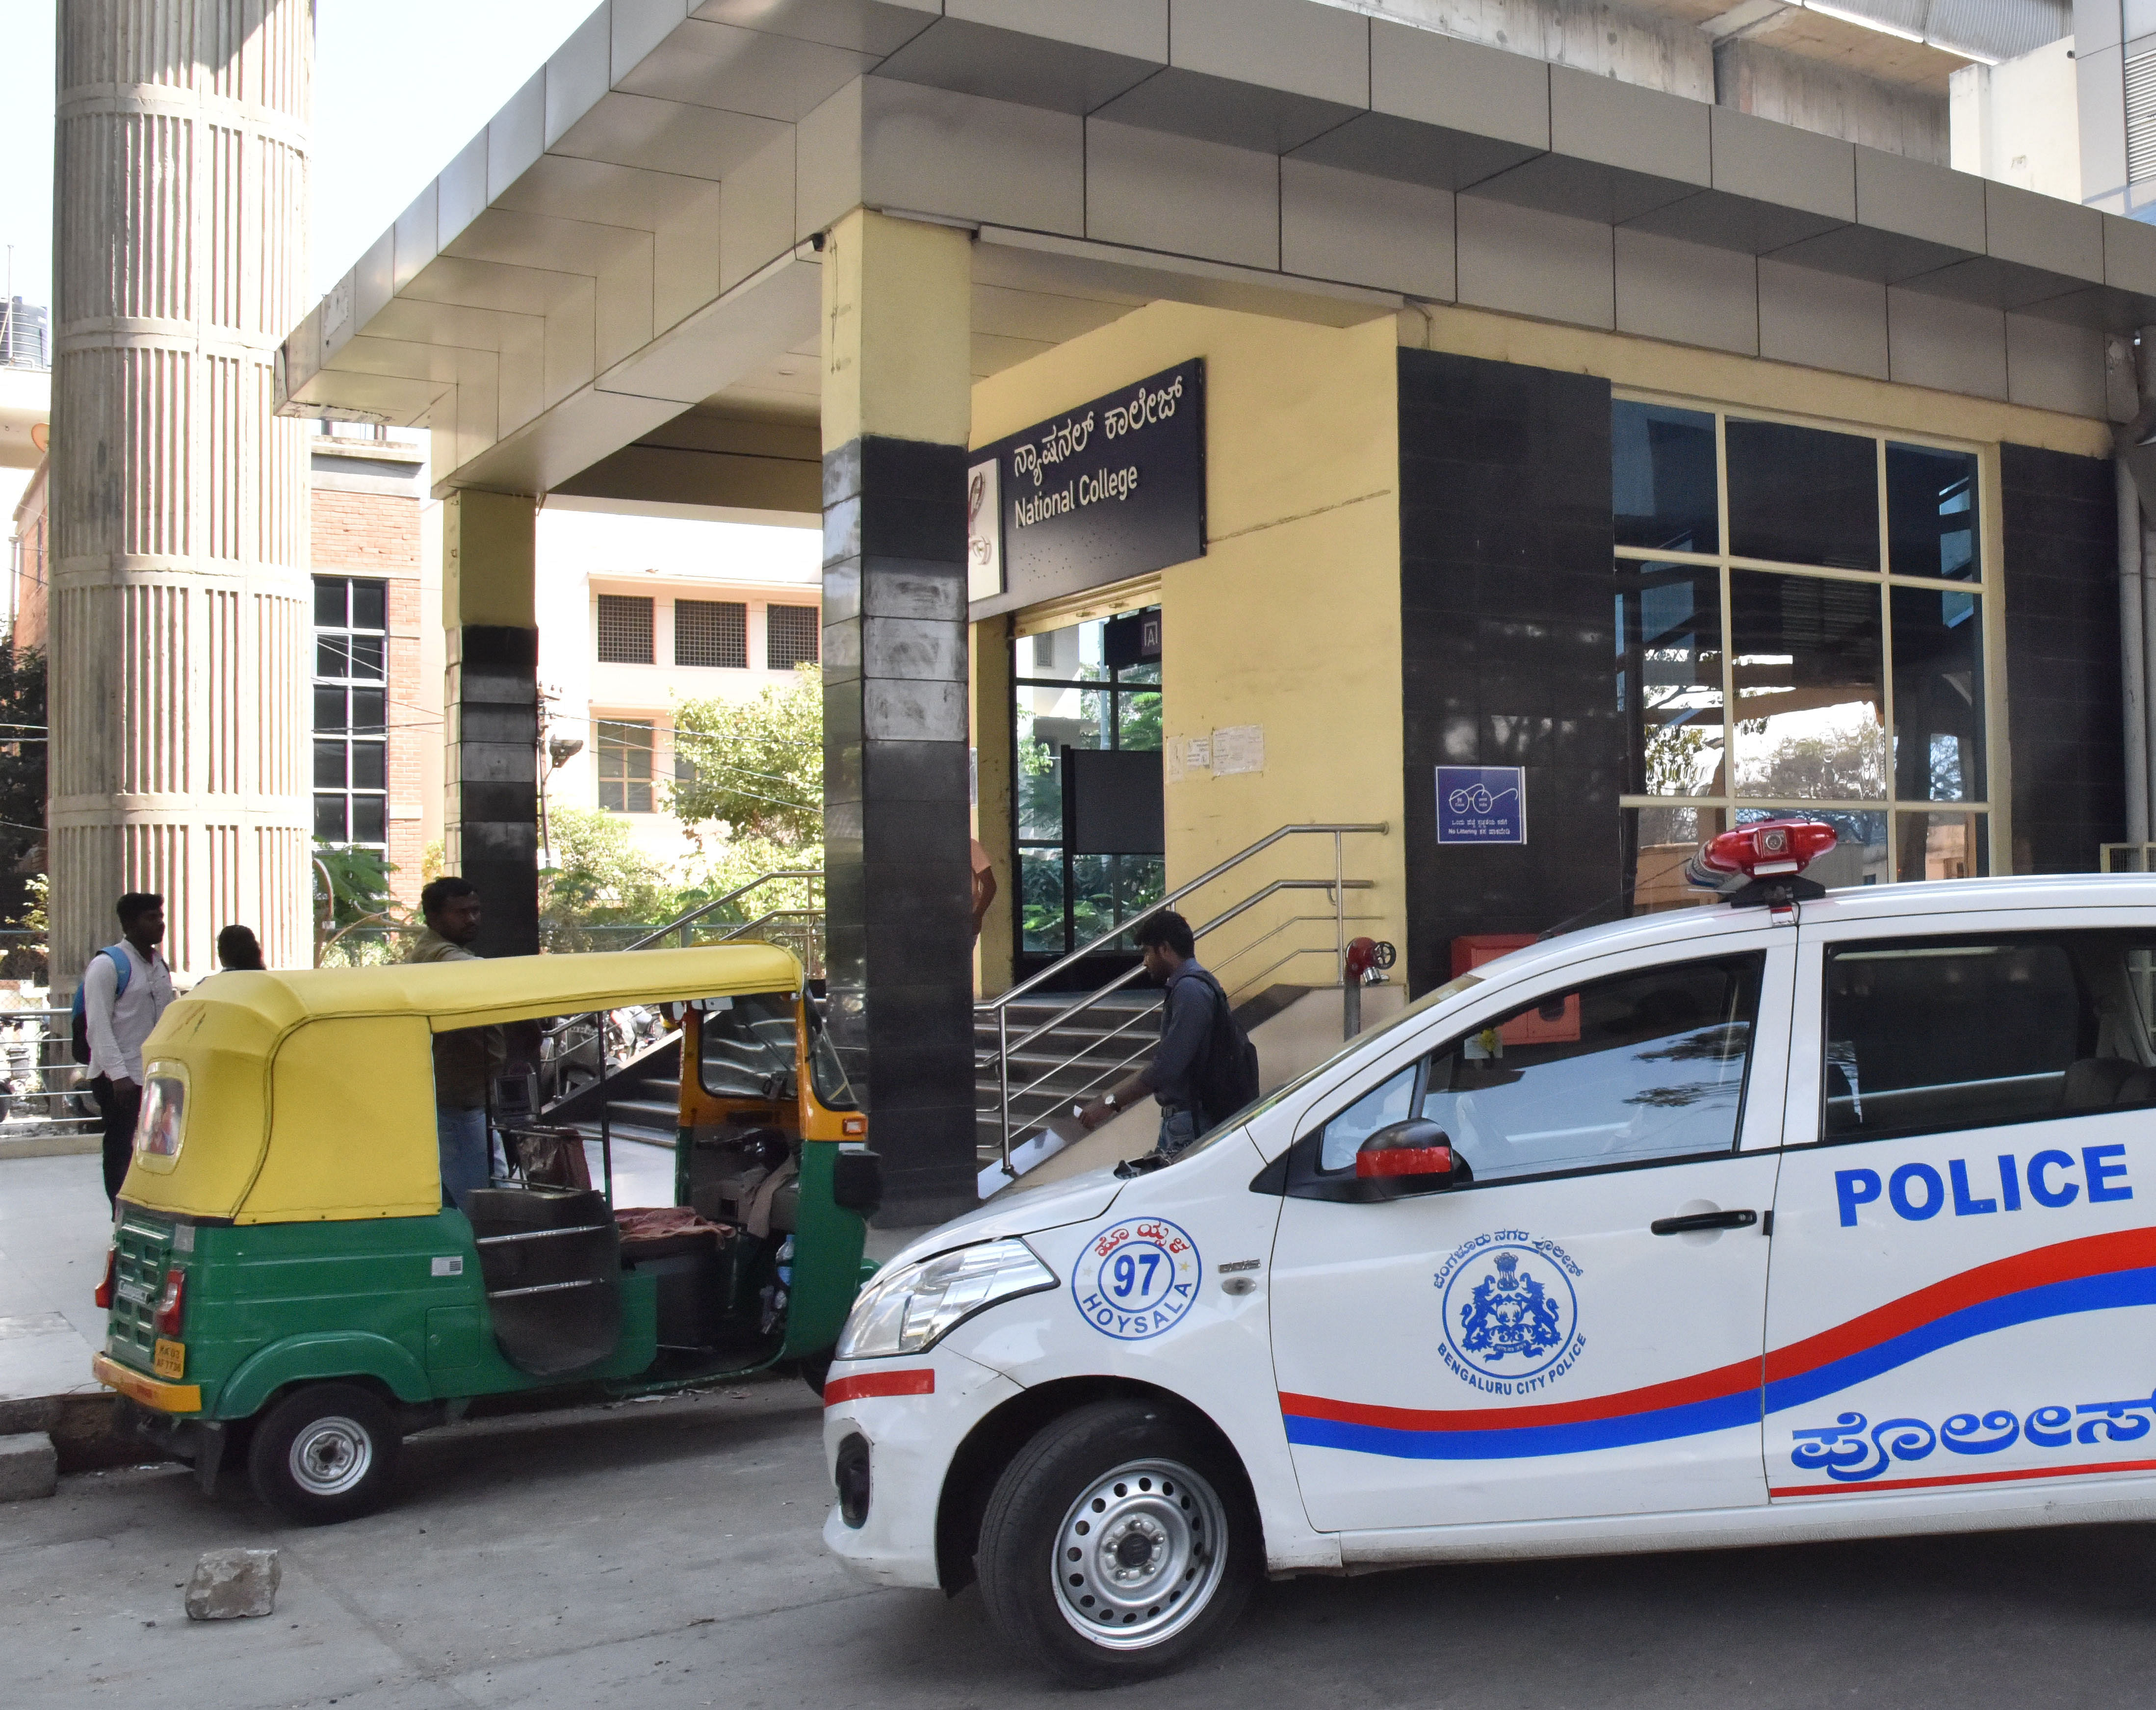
(1481, 804)
(1113, 489)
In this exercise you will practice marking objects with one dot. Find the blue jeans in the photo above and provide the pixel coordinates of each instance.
(467, 1154)
(1179, 1130)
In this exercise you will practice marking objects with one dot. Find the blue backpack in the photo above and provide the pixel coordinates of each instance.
(123, 970)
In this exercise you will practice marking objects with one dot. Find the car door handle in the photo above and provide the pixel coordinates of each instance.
(1703, 1220)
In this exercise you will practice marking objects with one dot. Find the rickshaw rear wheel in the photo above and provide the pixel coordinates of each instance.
(1119, 1543)
(325, 1453)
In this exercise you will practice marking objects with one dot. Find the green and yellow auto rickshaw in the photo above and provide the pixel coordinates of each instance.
(288, 1285)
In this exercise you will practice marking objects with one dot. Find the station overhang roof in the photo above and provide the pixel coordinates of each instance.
(613, 288)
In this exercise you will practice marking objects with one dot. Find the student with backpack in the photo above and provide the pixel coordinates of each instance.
(1205, 1069)
(127, 987)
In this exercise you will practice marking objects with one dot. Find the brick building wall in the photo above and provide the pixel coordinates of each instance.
(367, 512)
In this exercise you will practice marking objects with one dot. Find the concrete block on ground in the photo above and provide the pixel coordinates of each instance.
(28, 1467)
(232, 1584)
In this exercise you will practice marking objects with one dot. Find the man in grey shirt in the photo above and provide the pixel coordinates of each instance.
(1187, 1016)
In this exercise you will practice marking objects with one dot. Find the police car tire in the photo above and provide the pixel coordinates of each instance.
(1016, 1559)
(340, 1423)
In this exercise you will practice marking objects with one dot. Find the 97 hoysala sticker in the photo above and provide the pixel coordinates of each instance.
(1136, 1278)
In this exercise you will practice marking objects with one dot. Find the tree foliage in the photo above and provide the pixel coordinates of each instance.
(755, 769)
(23, 749)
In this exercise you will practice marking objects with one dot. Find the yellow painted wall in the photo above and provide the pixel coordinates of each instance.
(1291, 621)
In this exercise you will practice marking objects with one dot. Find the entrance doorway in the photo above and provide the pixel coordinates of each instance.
(1087, 712)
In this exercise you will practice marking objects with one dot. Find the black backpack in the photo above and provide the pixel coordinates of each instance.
(1228, 1078)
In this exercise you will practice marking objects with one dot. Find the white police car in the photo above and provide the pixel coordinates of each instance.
(1733, 1225)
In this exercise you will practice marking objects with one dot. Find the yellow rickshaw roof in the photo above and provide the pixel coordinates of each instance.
(469, 993)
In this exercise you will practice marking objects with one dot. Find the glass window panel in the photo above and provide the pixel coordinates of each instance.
(1939, 696)
(329, 602)
(329, 818)
(1662, 477)
(332, 656)
(612, 797)
(1803, 495)
(329, 765)
(1662, 841)
(329, 709)
(1941, 846)
(370, 711)
(367, 656)
(1092, 897)
(370, 605)
(1040, 786)
(1669, 678)
(1858, 858)
(1931, 512)
(1070, 655)
(1137, 720)
(370, 766)
(1140, 882)
(1809, 688)
(1040, 900)
(369, 820)
(1643, 1065)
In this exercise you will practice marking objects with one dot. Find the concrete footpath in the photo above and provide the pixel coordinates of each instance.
(54, 1228)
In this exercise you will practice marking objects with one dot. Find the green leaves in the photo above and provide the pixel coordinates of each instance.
(755, 767)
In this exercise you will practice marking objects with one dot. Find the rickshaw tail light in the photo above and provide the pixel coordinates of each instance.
(103, 1296)
(173, 1304)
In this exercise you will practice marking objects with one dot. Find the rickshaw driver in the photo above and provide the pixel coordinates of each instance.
(465, 1058)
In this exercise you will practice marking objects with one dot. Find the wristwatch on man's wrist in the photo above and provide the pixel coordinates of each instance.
(1109, 1100)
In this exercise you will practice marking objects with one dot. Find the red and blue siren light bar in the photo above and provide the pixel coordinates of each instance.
(1773, 848)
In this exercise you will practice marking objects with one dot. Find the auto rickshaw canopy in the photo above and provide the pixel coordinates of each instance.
(309, 1096)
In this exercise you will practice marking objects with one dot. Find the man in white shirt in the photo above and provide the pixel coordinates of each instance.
(117, 1018)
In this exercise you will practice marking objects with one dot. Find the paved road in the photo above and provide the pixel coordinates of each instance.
(665, 1553)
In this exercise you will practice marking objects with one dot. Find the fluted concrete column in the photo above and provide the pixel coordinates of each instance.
(180, 627)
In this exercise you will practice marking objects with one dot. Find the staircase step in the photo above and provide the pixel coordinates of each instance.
(645, 1113)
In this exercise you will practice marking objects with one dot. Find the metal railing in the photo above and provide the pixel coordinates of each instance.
(685, 926)
(42, 1090)
(998, 1008)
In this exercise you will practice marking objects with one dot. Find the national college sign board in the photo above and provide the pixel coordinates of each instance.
(1113, 489)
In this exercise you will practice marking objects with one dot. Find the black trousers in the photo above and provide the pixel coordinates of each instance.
(120, 1111)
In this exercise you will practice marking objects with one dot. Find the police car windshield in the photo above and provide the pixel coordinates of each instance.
(1258, 1107)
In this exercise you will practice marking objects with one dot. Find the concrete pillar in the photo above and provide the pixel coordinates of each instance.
(490, 701)
(896, 411)
(180, 604)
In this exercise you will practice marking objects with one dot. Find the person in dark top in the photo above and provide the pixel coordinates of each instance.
(465, 1057)
(238, 951)
(1187, 1019)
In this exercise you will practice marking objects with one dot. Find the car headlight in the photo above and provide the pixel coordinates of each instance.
(911, 1308)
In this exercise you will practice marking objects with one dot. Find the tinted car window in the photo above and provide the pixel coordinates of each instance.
(1925, 1036)
(1643, 1066)
(1391, 1101)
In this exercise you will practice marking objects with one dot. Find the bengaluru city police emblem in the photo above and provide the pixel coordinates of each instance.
(1511, 1315)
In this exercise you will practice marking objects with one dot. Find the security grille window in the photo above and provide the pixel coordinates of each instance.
(625, 630)
(1089, 685)
(351, 745)
(625, 764)
(711, 632)
(793, 635)
(1801, 618)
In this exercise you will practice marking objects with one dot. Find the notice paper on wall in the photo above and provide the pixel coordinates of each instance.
(1239, 748)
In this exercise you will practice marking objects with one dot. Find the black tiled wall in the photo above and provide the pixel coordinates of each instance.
(1508, 638)
(896, 828)
(493, 761)
(2064, 714)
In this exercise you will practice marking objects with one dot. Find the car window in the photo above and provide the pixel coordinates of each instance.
(1640, 1065)
(1926, 1035)
(1392, 1101)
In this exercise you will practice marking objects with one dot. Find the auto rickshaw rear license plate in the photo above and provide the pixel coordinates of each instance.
(170, 1358)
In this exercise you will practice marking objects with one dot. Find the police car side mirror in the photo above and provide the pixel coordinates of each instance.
(1412, 1156)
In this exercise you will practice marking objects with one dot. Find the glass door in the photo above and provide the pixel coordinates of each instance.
(1089, 685)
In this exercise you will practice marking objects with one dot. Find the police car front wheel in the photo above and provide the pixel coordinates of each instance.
(1117, 1543)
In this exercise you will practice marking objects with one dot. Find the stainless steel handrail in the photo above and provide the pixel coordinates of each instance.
(697, 913)
(1000, 1006)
